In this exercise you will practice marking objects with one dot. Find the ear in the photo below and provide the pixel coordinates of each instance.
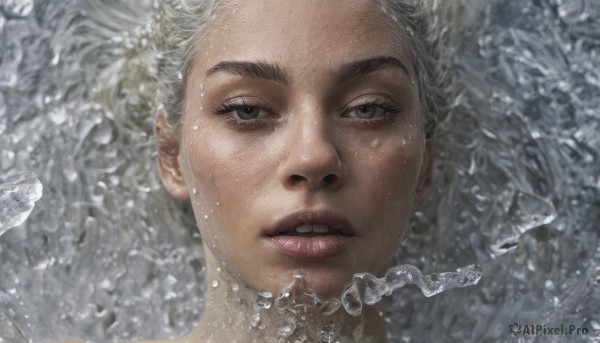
(426, 173)
(167, 160)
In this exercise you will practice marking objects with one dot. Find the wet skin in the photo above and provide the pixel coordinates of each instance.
(307, 106)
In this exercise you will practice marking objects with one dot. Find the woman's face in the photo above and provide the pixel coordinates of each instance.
(302, 150)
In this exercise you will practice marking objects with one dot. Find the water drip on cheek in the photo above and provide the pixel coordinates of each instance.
(197, 124)
(376, 143)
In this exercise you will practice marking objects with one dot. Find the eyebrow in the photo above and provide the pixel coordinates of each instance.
(272, 72)
(261, 70)
(367, 65)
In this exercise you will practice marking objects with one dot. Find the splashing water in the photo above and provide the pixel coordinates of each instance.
(517, 182)
(17, 198)
(368, 289)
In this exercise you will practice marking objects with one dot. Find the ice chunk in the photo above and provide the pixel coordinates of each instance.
(17, 198)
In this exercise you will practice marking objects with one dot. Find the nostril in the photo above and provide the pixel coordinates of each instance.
(297, 179)
(330, 179)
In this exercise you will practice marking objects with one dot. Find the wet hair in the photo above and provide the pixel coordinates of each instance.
(183, 24)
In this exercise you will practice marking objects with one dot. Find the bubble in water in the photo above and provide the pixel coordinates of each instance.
(263, 299)
(17, 199)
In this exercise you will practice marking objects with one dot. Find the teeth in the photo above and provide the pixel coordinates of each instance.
(320, 228)
(304, 228)
(308, 228)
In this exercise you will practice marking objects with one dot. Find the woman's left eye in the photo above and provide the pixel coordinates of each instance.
(369, 111)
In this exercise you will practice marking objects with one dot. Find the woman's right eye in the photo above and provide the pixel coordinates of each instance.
(246, 109)
(247, 112)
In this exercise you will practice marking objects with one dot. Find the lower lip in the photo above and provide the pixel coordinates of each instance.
(307, 247)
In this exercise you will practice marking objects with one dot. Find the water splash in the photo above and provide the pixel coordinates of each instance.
(368, 289)
(17, 199)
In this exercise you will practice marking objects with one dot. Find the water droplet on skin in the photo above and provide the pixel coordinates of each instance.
(206, 216)
(196, 125)
(263, 299)
(375, 143)
(255, 320)
(284, 299)
(218, 269)
(235, 287)
(286, 330)
(180, 76)
(218, 203)
(214, 284)
(195, 191)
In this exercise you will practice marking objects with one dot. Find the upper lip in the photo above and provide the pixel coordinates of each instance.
(330, 219)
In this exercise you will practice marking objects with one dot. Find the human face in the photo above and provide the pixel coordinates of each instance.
(302, 112)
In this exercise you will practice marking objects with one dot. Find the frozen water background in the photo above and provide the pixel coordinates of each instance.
(105, 254)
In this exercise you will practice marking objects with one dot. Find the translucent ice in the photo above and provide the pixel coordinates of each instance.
(17, 198)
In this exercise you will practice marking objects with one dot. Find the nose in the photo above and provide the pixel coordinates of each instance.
(313, 160)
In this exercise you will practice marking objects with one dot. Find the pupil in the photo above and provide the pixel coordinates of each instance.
(365, 111)
(247, 112)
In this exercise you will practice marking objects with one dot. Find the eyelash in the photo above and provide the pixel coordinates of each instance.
(229, 106)
(390, 108)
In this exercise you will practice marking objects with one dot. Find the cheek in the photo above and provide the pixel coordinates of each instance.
(392, 170)
(225, 176)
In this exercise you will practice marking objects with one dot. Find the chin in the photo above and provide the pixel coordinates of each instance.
(326, 282)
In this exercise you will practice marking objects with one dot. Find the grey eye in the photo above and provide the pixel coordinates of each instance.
(367, 111)
(247, 112)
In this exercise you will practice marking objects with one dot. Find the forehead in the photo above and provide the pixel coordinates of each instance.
(301, 33)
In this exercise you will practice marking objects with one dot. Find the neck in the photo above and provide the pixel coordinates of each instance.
(233, 314)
